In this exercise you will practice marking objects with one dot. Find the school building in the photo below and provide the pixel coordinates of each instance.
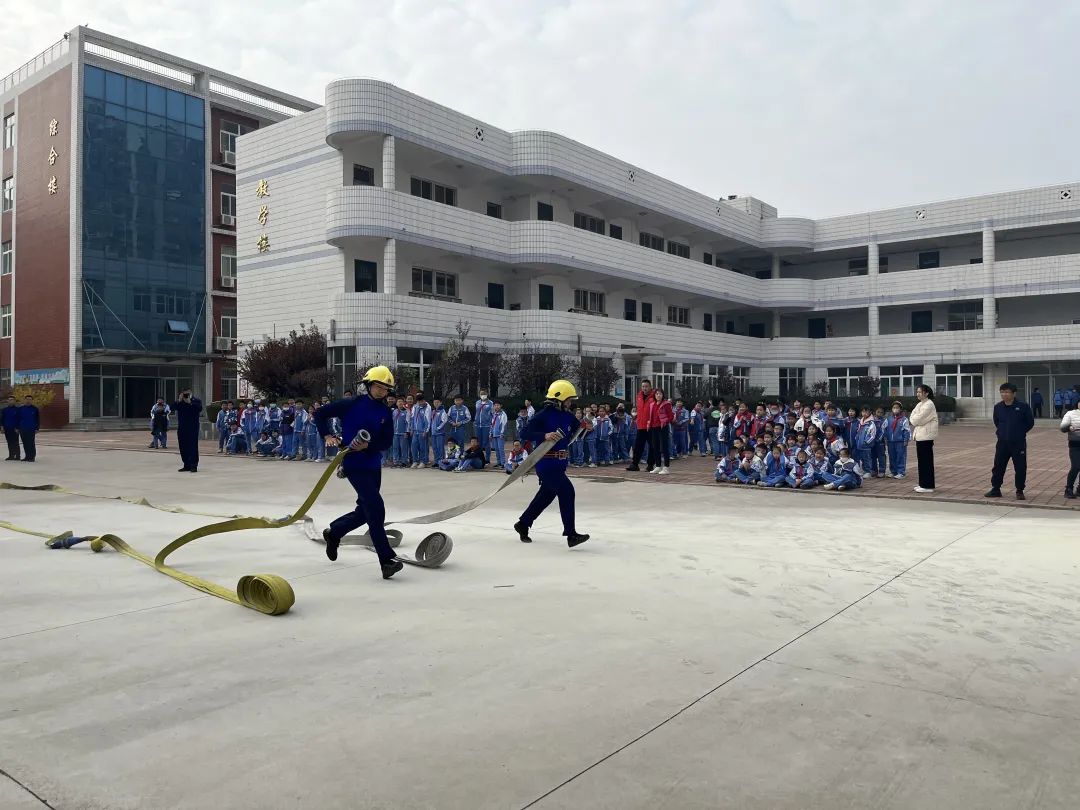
(118, 225)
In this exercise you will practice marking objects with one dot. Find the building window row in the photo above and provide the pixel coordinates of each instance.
(435, 283)
(588, 222)
(678, 316)
(962, 380)
(651, 241)
(678, 249)
(5, 320)
(494, 210)
(844, 381)
(590, 301)
(433, 191)
(792, 381)
(900, 381)
(7, 259)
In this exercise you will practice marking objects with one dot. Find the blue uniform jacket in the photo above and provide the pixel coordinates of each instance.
(498, 424)
(421, 418)
(898, 429)
(551, 419)
(11, 416)
(400, 419)
(438, 422)
(29, 417)
(355, 414)
(483, 413)
(459, 414)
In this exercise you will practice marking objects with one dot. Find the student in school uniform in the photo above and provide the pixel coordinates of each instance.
(820, 466)
(439, 420)
(680, 425)
(603, 431)
(833, 444)
(299, 448)
(265, 446)
(482, 424)
(775, 468)
(618, 433)
(745, 473)
(237, 443)
(159, 424)
(530, 411)
(791, 448)
(472, 458)
(517, 455)
(696, 430)
(521, 421)
(421, 430)
(631, 435)
(458, 417)
(877, 451)
(726, 467)
(316, 446)
(249, 424)
(273, 418)
(450, 457)
(497, 433)
(845, 474)
(667, 415)
(801, 474)
(897, 430)
(221, 424)
(864, 442)
(288, 433)
(577, 449)
(851, 427)
(400, 448)
(588, 416)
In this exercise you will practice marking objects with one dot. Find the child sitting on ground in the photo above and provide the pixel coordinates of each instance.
(472, 458)
(726, 467)
(517, 455)
(451, 456)
(801, 473)
(845, 474)
(266, 445)
(237, 444)
(775, 474)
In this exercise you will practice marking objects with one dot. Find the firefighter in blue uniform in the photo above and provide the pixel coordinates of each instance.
(555, 422)
(363, 464)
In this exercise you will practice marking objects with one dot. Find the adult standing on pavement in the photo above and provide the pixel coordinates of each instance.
(29, 423)
(648, 428)
(924, 421)
(1013, 420)
(188, 410)
(1070, 424)
(666, 415)
(1036, 403)
(9, 417)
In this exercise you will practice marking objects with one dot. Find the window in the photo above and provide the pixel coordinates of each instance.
(589, 301)
(678, 249)
(716, 371)
(763, 274)
(5, 320)
(9, 131)
(230, 130)
(792, 381)
(964, 315)
(975, 261)
(434, 283)
(816, 328)
(693, 369)
(922, 321)
(8, 194)
(140, 300)
(545, 212)
(707, 322)
(707, 258)
(7, 259)
(857, 267)
(496, 296)
(433, 191)
(228, 204)
(494, 210)
(547, 296)
(362, 175)
(929, 259)
(365, 276)
(664, 376)
(741, 376)
(646, 312)
(900, 381)
(420, 361)
(844, 381)
(756, 330)
(729, 327)
(963, 380)
(227, 328)
(229, 383)
(615, 231)
(343, 364)
(588, 223)
(630, 309)
(5, 378)
(650, 240)
(170, 302)
(678, 316)
(228, 265)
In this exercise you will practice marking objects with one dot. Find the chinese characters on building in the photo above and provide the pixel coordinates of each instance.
(54, 130)
(263, 190)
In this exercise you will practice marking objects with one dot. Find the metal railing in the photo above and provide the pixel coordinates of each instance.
(183, 76)
(253, 98)
(39, 62)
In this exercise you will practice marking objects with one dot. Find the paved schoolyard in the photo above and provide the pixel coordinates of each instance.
(702, 650)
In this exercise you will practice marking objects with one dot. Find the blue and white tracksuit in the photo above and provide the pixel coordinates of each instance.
(313, 442)
(249, 423)
(897, 435)
(450, 458)
(680, 430)
(603, 440)
(877, 451)
(775, 471)
(288, 433)
(821, 470)
(589, 440)
(482, 423)
(399, 455)
(514, 460)
(618, 435)
(273, 419)
(725, 470)
(720, 439)
(697, 431)
(439, 421)
(865, 438)
(845, 474)
(803, 470)
(300, 420)
(519, 427)
(421, 428)
(749, 470)
(222, 425)
(457, 418)
(497, 435)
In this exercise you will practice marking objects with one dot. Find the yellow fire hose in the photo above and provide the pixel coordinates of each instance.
(266, 593)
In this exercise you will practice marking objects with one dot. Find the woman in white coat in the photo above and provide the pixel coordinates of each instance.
(924, 421)
(1070, 424)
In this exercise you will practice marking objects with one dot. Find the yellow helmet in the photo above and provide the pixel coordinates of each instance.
(561, 390)
(380, 374)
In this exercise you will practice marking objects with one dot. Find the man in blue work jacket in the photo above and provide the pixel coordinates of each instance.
(188, 410)
(29, 423)
(1013, 420)
(10, 417)
(363, 463)
(556, 422)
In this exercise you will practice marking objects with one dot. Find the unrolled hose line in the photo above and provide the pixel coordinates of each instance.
(266, 593)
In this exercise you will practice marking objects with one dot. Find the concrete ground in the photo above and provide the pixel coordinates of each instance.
(709, 647)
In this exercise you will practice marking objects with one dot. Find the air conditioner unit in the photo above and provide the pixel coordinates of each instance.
(226, 219)
(223, 344)
(228, 282)
(228, 158)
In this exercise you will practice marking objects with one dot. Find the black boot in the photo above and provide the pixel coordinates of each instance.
(1070, 495)
(523, 532)
(390, 568)
(331, 544)
(1020, 495)
(993, 493)
(633, 468)
(576, 539)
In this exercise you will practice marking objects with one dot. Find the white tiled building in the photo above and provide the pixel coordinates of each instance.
(388, 219)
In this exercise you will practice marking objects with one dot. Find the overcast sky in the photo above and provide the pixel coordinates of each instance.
(819, 107)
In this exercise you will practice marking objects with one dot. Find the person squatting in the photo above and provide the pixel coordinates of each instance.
(804, 447)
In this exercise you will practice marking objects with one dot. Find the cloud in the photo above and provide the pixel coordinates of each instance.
(818, 108)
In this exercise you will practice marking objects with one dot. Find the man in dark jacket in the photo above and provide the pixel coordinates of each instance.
(29, 422)
(188, 410)
(1013, 420)
(9, 417)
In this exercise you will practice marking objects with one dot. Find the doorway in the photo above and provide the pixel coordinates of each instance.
(139, 396)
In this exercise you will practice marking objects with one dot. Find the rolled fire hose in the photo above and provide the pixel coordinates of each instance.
(266, 593)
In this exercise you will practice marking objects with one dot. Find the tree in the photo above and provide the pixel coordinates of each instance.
(868, 387)
(464, 368)
(529, 372)
(595, 376)
(723, 386)
(41, 395)
(819, 390)
(292, 366)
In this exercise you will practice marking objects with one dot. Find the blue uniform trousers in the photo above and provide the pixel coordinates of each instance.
(438, 445)
(420, 448)
(400, 452)
(898, 458)
(553, 484)
(458, 435)
(498, 444)
(878, 458)
(482, 434)
(369, 509)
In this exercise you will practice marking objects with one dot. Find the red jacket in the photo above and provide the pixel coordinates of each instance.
(647, 416)
(667, 413)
